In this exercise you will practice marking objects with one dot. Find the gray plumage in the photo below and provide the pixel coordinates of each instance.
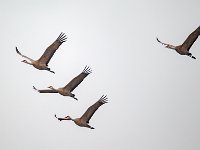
(42, 62)
(66, 90)
(83, 121)
(184, 48)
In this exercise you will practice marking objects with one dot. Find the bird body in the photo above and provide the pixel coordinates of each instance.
(181, 50)
(67, 90)
(83, 121)
(184, 48)
(62, 91)
(42, 62)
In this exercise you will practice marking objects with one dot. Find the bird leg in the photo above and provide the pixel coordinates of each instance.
(193, 57)
(74, 97)
(48, 69)
(90, 127)
(190, 55)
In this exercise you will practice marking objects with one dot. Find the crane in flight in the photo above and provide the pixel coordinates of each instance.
(83, 121)
(184, 48)
(42, 62)
(67, 90)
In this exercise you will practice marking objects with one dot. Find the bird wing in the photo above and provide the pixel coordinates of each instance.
(191, 39)
(49, 52)
(92, 109)
(45, 91)
(78, 79)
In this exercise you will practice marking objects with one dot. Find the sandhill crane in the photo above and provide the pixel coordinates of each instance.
(66, 90)
(42, 62)
(185, 47)
(83, 121)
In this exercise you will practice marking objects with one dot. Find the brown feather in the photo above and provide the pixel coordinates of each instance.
(49, 52)
(191, 39)
(92, 109)
(78, 79)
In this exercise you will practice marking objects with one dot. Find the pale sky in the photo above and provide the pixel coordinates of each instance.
(153, 92)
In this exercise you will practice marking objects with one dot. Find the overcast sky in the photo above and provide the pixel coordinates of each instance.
(153, 92)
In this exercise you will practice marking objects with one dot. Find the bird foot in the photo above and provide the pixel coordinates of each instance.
(193, 57)
(35, 88)
(48, 69)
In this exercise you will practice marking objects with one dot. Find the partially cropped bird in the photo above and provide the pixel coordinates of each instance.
(66, 90)
(42, 62)
(83, 121)
(184, 48)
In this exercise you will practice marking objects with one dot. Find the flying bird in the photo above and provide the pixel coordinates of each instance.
(42, 62)
(83, 121)
(66, 90)
(185, 47)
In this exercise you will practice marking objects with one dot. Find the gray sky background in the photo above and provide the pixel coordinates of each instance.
(153, 92)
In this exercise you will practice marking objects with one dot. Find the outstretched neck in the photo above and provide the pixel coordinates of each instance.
(171, 47)
(52, 88)
(65, 118)
(25, 61)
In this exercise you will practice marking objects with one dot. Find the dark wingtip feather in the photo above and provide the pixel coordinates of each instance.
(103, 99)
(87, 70)
(62, 37)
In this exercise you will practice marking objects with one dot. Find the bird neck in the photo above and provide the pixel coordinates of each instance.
(171, 47)
(69, 118)
(76, 121)
(52, 88)
(30, 63)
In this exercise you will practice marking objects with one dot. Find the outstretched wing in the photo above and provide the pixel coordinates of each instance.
(92, 109)
(191, 39)
(45, 91)
(49, 52)
(78, 79)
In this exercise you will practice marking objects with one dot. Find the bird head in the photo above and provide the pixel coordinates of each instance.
(51, 87)
(25, 61)
(68, 118)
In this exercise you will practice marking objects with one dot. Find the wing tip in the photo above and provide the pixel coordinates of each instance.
(87, 70)
(62, 37)
(103, 99)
